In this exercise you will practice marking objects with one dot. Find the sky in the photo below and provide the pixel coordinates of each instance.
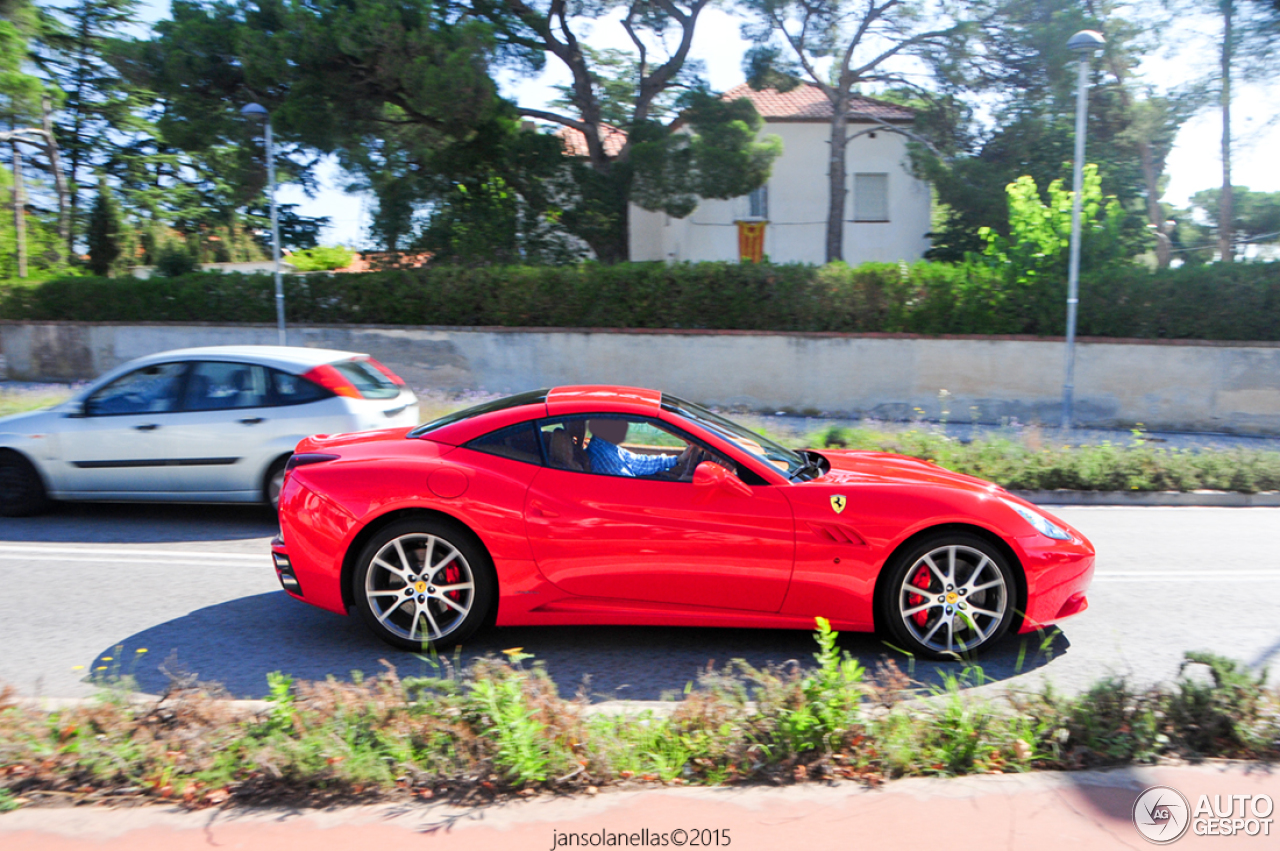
(1194, 163)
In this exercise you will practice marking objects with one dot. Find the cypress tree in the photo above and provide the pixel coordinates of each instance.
(103, 235)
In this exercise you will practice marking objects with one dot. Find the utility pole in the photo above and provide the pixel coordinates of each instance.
(1084, 43)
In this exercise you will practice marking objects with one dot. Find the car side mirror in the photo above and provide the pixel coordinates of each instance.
(710, 476)
(76, 409)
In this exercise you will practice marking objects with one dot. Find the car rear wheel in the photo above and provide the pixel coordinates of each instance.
(421, 582)
(22, 492)
(949, 596)
(273, 481)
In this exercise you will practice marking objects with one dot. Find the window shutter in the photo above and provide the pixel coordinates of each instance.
(870, 197)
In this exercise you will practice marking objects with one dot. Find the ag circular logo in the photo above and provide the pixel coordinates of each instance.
(1161, 814)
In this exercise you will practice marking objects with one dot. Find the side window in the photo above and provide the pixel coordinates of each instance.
(152, 389)
(293, 389)
(517, 442)
(625, 446)
(216, 386)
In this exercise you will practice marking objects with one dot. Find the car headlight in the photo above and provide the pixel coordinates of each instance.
(1040, 523)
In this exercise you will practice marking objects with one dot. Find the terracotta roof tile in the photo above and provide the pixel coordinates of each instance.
(575, 144)
(807, 102)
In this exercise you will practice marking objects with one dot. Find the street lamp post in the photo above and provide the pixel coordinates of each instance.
(256, 111)
(1084, 43)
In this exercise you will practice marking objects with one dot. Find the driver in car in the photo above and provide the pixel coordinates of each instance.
(608, 457)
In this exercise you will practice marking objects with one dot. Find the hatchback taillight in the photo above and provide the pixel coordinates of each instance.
(391, 376)
(333, 381)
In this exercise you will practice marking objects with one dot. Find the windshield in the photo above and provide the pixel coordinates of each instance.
(533, 397)
(758, 445)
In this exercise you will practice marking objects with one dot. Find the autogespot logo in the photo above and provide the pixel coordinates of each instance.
(1161, 814)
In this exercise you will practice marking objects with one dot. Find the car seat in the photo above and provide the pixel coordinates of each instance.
(198, 392)
(560, 451)
(577, 431)
(246, 396)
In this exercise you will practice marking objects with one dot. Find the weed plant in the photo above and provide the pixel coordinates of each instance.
(500, 728)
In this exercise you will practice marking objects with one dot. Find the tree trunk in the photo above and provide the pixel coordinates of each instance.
(59, 179)
(1226, 204)
(19, 211)
(836, 173)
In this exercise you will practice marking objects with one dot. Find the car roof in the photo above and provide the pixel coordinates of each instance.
(559, 401)
(584, 398)
(287, 358)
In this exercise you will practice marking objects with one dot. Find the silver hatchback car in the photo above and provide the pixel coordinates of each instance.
(214, 424)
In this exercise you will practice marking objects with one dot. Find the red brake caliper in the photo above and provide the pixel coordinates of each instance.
(451, 577)
(920, 580)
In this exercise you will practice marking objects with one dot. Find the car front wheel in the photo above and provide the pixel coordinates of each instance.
(949, 596)
(22, 492)
(422, 582)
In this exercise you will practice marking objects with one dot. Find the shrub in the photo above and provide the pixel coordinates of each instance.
(1219, 302)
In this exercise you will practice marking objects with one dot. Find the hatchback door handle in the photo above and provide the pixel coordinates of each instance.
(253, 420)
(148, 427)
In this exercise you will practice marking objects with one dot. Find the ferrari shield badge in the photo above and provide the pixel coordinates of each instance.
(837, 504)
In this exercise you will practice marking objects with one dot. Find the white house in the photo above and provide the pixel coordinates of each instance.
(886, 208)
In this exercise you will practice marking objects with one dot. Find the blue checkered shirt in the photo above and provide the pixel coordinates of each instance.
(616, 461)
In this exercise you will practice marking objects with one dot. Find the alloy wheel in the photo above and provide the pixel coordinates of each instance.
(419, 587)
(953, 599)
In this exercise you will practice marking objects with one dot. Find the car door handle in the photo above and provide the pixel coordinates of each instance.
(536, 510)
(148, 427)
(252, 420)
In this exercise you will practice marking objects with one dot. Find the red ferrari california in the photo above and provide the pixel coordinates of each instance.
(617, 505)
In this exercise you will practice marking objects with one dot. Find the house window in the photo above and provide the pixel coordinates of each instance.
(870, 197)
(758, 203)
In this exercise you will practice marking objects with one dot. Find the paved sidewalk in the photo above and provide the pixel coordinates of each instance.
(1045, 811)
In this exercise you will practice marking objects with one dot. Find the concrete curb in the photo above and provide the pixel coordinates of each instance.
(248, 708)
(1200, 498)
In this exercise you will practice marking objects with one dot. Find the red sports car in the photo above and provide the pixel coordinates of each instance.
(617, 505)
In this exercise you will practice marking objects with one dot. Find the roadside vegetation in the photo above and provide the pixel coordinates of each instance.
(1026, 461)
(982, 296)
(30, 398)
(500, 728)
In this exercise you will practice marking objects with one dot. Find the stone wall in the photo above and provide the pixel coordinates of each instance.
(1193, 386)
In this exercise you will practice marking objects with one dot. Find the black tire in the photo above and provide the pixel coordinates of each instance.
(22, 490)
(272, 481)
(457, 561)
(972, 591)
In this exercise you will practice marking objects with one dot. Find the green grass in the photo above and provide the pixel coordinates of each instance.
(500, 728)
(23, 400)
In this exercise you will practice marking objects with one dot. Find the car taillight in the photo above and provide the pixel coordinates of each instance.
(333, 381)
(302, 459)
(391, 376)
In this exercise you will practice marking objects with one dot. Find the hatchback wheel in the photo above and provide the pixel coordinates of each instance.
(950, 595)
(272, 483)
(22, 492)
(422, 582)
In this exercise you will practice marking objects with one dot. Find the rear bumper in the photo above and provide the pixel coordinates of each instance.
(308, 552)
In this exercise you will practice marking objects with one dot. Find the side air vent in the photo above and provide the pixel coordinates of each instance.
(833, 533)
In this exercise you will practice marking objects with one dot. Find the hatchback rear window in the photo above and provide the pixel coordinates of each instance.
(368, 379)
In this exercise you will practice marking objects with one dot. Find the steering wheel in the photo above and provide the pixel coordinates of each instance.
(696, 457)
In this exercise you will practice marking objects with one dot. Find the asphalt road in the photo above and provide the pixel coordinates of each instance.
(87, 588)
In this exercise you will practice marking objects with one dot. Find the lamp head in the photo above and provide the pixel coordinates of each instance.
(1086, 40)
(255, 111)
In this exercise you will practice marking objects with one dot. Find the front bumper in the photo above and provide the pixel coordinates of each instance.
(1058, 577)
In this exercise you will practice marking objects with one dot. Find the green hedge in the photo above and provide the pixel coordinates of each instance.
(1240, 302)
